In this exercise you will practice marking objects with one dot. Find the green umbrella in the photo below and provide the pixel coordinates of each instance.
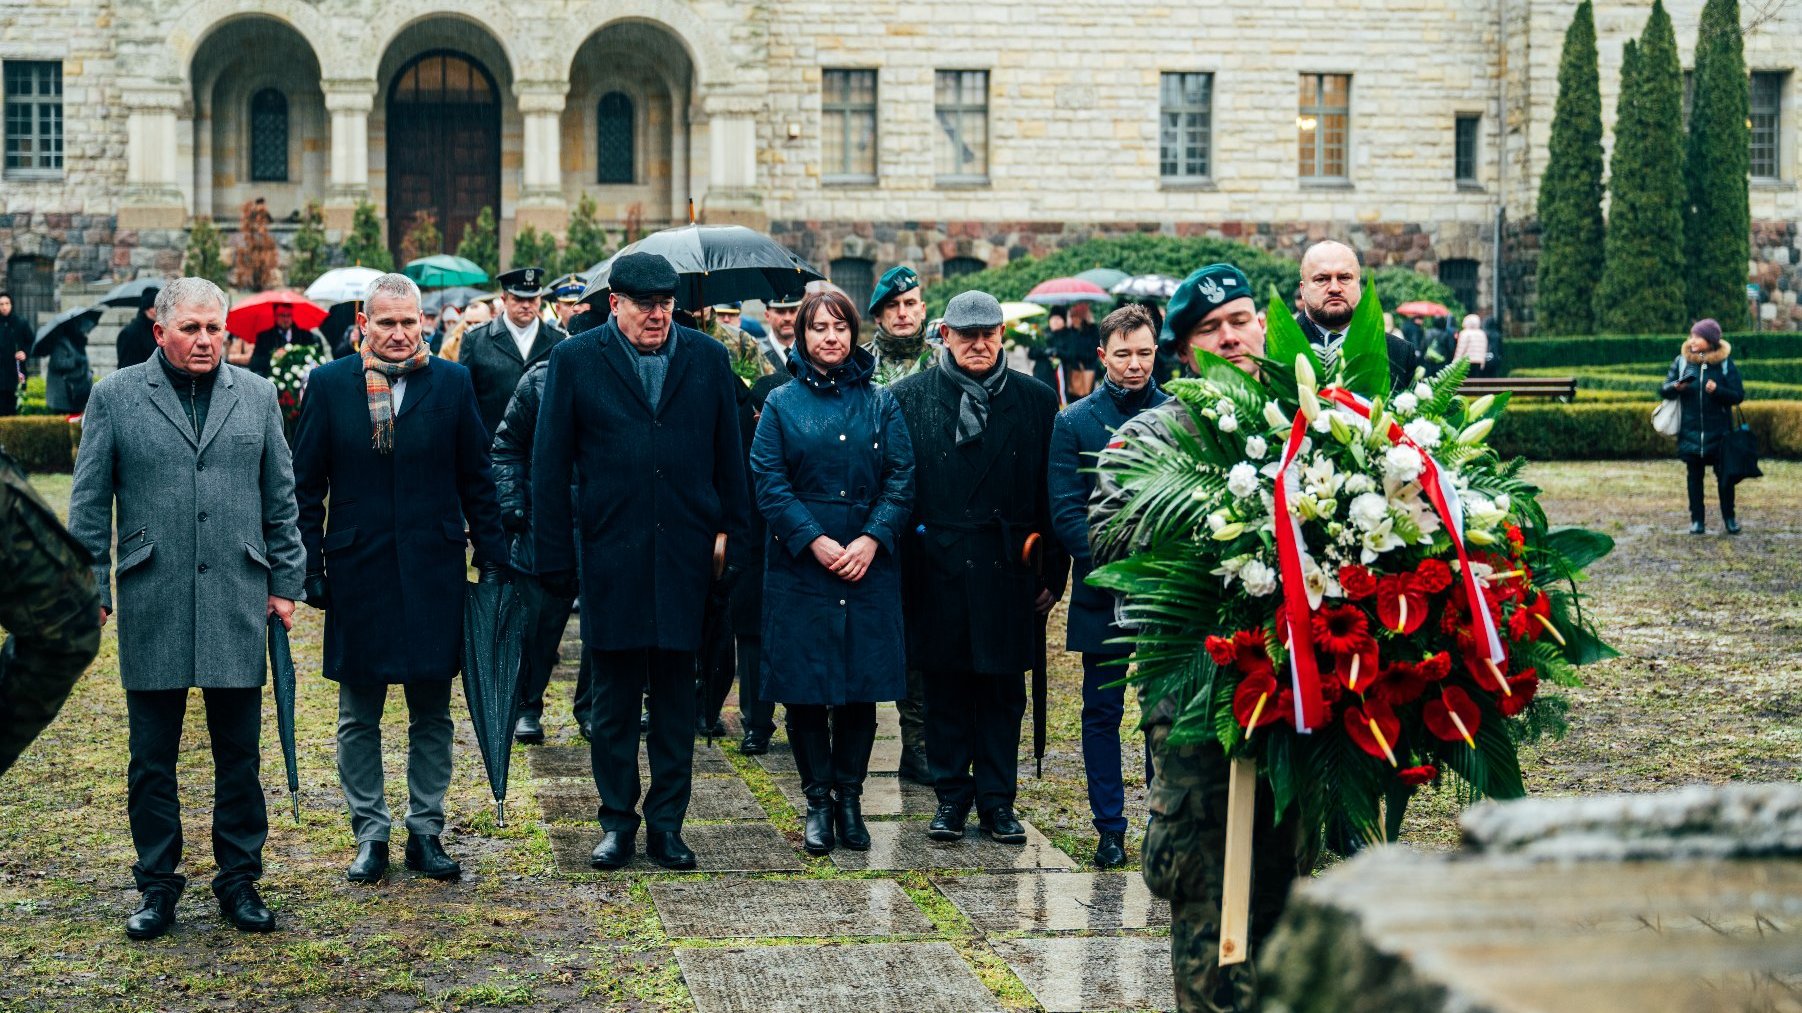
(443, 270)
(1106, 277)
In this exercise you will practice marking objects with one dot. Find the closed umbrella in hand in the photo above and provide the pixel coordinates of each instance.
(494, 622)
(1033, 555)
(281, 665)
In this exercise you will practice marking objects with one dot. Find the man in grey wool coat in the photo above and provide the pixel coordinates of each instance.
(191, 451)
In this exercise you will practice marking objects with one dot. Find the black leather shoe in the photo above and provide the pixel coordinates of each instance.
(154, 916)
(425, 855)
(371, 864)
(1732, 526)
(816, 827)
(1111, 852)
(244, 908)
(1697, 528)
(528, 729)
(1002, 827)
(754, 744)
(614, 851)
(915, 768)
(847, 818)
(948, 823)
(665, 847)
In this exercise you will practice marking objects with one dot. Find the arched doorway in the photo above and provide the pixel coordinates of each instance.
(444, 144)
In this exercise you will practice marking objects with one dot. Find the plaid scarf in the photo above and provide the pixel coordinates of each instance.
(378, 383)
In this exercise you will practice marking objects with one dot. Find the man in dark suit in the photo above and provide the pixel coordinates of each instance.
(283, 334)
(973, 602)
(137, 340)
(498, 352)
(391, 439)
(642, 415)
(1331, 286)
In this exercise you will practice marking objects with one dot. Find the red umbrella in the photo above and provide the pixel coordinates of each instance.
(1422, 308)
(256, 314)
(1064, 291)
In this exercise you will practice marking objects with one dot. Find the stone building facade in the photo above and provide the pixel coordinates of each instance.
(948, 135)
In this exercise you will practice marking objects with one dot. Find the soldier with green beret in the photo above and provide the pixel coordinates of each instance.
(898, 305)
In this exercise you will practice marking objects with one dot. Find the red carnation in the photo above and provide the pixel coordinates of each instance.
(1524, 684)
(1432, 576)
(1414, 777)
(1221, 650)
(1453, 717)
(1401, 606)
(1357, 581)
(1341, 629)
(1436, 666)
(1515, 538)
(1375, 729)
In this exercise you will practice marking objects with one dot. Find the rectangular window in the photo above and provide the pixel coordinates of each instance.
(34, 117)
(1767, 125)
(1186, 124)
(848, 125)
(1464, 153)
(961, 105)
(1323, 126)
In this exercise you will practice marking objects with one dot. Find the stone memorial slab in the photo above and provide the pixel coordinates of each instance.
(774, 908)
(718, 847)
(1082, 973)
(1056, 902)
(904, 845)
(573, 761)
(885, 757)
(875, 978)
(888, 721)
(711, 798)
(883, 795)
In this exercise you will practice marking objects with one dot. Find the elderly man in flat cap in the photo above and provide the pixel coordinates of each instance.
(643, 416)
(1212, 311)
(971, 592)
(498, 352)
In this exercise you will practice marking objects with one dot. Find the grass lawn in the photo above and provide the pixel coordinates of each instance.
(1708, 689)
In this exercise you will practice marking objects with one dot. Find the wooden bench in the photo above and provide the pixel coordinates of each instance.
(1560, 388)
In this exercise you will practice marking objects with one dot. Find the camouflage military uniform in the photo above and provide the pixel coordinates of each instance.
(48, 605)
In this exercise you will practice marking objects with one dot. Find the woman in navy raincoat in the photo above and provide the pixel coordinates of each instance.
(833, 470)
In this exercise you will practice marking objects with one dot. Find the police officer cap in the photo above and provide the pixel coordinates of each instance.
(972, 310)
(894, 281)
(789, 301)
(642, 274)
(1201, 293)
(568, 288)
(523, 282)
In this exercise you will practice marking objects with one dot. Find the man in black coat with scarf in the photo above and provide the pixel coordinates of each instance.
(1331, 287)
(973, 599)
(642, 414)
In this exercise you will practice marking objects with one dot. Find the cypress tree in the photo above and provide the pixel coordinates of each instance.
(1642, 290)
(1719, 222)
(1570, 191)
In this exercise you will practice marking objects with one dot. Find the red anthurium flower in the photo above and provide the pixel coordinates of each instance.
(1256, 703)
(1400, 683)
(1401, 606)
(1359, 668)
(1341, 629)
(1432, 576)
(1375, 729)
(1524, 684)
(1487, 673)
(1414, 777)
(1453, 717)
(1221, 650)
(1523, 626)
(1357, 581)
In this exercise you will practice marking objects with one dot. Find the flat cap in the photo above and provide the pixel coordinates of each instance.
(640, 274)
(893, 282)
(523, 282)
(970, 310)
(1202, 292)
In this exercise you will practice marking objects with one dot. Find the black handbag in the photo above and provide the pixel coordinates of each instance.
(1739, 452)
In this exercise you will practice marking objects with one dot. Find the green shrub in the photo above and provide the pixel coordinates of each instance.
(1397, 285)
(1647, 379)
(40, 442)
(1568, 352)
(1603, 431)
(32, 401)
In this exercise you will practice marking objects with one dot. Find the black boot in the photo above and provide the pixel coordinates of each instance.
(853, 736)
(425, 855)
(371, 863)
(812, 745)
(816, 832)
(1110, 853)
(848, 819)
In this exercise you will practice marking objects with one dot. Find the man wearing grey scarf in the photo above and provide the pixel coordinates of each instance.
(980, 564)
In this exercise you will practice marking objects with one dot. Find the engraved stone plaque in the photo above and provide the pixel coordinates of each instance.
(873, 978)
(787, 907)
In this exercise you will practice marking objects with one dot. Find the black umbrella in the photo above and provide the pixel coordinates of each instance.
(1034, 556)
(714, 662)
(129, 293)
(717, 264)
(281, 662)
(494, 625)
(74, 324)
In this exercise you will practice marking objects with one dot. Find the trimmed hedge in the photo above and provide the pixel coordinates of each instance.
(1605, 431)
(1607, 350)
(40, 442)
(1635, 378)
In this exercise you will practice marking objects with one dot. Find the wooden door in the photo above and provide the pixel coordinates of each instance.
(444, 145)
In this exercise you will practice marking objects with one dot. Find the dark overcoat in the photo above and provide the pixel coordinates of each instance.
(832, 458)
(137, 341)
(1081, 431)
(1706, 417)
(747, 595)
(512, 452)
(392, 546)
(495, 365)
(967, 590)
(654, 485)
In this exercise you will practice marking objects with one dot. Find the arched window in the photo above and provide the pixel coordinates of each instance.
(856, 276)
(958, 266)
(269, 137)
(613, 135)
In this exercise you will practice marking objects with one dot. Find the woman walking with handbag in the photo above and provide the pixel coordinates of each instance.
(1705, 382)
(833, 469)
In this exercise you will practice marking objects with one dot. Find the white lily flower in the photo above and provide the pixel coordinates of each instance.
(1273, 414)
(1475, 432)
(1379, 541)
(1314, 580)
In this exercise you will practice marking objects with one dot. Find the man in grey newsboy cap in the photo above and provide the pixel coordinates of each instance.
(982, 435)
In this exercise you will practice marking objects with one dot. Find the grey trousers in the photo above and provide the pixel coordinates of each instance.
(429, 734)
